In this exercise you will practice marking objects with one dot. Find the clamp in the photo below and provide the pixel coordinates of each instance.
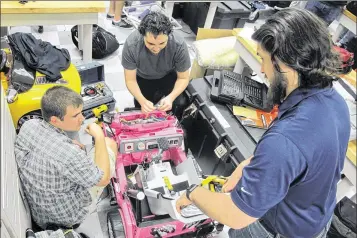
(214, 182)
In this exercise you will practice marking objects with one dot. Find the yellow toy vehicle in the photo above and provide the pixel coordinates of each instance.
(24, 91)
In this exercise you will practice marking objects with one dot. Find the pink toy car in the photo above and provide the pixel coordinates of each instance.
(152, 171)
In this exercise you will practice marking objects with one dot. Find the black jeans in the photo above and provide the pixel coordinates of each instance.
(259, 229)
(155, 89)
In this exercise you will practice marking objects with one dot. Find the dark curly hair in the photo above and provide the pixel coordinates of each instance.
(156, 23)
(300, 40)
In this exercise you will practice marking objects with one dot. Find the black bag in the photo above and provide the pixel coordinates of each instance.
(104, 43)
(345, 210)
(281, 4)
(352, 7)
(339, 230)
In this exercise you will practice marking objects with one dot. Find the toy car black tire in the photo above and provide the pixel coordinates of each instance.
(28, 116)
(115, 224)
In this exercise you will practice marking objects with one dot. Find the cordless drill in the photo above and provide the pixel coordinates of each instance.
(98, 112)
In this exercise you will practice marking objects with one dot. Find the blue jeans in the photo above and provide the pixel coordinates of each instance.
(256, 230)
(326, 12)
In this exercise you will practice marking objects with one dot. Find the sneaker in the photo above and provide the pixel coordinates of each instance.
(122, 24)
(40, 29)
(110, 16)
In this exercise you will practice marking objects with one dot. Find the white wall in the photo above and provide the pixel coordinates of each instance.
(15, 215)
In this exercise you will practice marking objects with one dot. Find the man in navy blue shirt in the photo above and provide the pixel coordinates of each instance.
(288, 187)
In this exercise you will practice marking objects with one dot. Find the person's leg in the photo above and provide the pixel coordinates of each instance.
(118, 21)
(40, 29)
(97, 191)
(323, 233)
(327, 13)
(330, 13)
(112, 148)
(346, 38)
(312, 6)
(111, 11)
(166, 85)
(317, 8)
(147, 88)
(254, 230)
(179, 105)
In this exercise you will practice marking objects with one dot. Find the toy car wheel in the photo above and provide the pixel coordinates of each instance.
(115, 224)
(29, 116)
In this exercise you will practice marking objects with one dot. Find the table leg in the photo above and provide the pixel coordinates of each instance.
(80, 37)
(238, 68)
(210, 15)
(87, 44)
(338, 32)
(169, 8)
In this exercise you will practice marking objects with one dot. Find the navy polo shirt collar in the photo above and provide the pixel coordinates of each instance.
(297, 96)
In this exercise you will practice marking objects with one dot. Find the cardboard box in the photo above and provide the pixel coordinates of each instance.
(196, 70)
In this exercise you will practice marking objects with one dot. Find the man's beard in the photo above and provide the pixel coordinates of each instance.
(277, 89)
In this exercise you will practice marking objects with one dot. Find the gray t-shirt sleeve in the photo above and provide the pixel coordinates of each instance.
(182, 58)
(128, 60)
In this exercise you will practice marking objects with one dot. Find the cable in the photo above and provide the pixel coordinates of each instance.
(202, 145)
(110, 128)
(103, 198)
(90, 91)
(189, 33)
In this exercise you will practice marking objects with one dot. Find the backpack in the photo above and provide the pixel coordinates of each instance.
(345, 210)
(344, 224)
(104, 43)
(351, 46)
(347, 59)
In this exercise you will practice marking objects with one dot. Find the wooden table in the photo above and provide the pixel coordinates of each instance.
(247, 50)
(82, 13)
(348, 20)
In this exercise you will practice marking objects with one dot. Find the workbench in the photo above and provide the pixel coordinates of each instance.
(82, 13)
(215, 124)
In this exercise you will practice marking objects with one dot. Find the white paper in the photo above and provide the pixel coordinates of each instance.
(246, 33)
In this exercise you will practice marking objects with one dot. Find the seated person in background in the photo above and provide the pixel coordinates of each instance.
(156, 65)
(59, 178)
(326, 10)
(115, 13)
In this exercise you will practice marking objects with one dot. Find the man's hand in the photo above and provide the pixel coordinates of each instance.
(182, 202)
(79, 144)
(166, 104)
(95, 130)
(147, 106)
(232, 181)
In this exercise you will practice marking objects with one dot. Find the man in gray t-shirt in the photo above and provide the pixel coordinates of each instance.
(156, 65)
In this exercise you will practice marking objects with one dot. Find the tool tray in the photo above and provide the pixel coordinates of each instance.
(92, 76)
(239, 89)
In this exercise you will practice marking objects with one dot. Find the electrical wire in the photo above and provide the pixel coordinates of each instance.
(88, 89)
(189, 33)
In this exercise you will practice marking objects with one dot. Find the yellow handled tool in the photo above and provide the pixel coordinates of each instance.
(168, 183)
(213, 179)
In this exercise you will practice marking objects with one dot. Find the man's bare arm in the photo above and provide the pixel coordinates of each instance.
(180, 85)
(132, 84)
